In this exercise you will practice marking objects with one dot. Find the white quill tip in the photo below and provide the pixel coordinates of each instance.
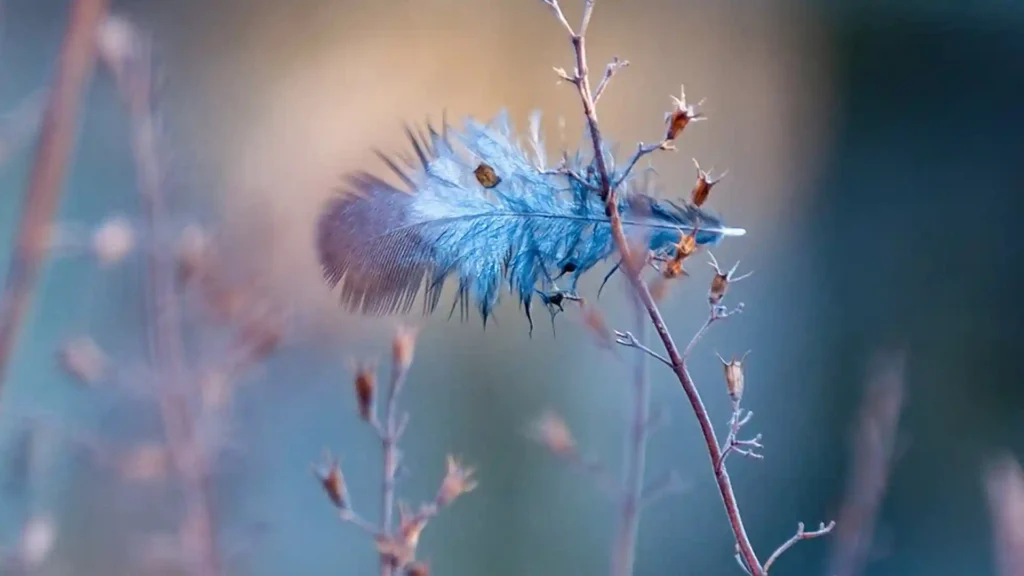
(727, 231)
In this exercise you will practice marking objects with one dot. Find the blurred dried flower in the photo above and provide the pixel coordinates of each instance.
(702, 189)
(398, 551)
(554, 433)
(458, 480)
(720, 283)
(594, 320)
(37, 538)
(262, 334)
(215, 389)
(734, 377)
(113, 240)
(145, 463)
(410, 526)
(418, 569)
(193, 252)
(403, 347)
(486, 176)
(683, 114)
(117, 41)
(365, 385)
(333, 482)
(84, 360)
(1004, 484)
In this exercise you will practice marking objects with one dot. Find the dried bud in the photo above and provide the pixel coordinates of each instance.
(397, 551)
(418, 569)
(366, 386)
(554, 433)
(702, 189)
(112, 241)
(595, 321)
(193, 253)
(333, 482)
(84, 360)
(215, 389)
(734, 377)
(145, 463)
(410, 526)
(403, 347)
(262, 334)
(683, 114)
(720, 283)
(686, 247)
(117, 41)
(486, 176)
(458, 480)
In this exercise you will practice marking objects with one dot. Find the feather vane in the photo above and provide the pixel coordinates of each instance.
(382, 243)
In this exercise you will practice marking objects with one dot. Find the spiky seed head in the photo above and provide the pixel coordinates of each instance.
(683, 114)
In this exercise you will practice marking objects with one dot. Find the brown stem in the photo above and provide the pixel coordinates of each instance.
(56, 140)
(632, 271)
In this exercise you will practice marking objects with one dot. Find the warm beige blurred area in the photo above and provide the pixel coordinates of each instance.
(302, 93)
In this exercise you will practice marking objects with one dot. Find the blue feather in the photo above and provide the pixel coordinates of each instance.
(382, 243)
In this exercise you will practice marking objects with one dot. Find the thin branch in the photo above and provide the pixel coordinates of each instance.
(56, 141)
(633, 274)
(800, 535)
(642, 151)
(614, 66)
(874, 451)
(389, 445)
(628, 340)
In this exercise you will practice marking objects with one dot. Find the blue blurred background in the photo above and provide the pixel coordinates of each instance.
(871, 156)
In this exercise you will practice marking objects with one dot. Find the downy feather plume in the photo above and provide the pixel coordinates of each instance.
(477, 207)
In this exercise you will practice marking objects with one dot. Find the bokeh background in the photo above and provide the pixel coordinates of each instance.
(874, 156)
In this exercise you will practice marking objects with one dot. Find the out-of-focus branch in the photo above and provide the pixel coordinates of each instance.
(624, 551)
(56, 141)
(1004, 483)
(873, 455)
(127, 54)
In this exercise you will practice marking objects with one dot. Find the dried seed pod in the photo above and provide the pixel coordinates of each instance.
(486, 176)
(734, 377)
(683, 114)
(702, 189)
(333, 482)
(686, 247)
(458, 480)
(403, 347)
(365, 385)
(720, 282)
